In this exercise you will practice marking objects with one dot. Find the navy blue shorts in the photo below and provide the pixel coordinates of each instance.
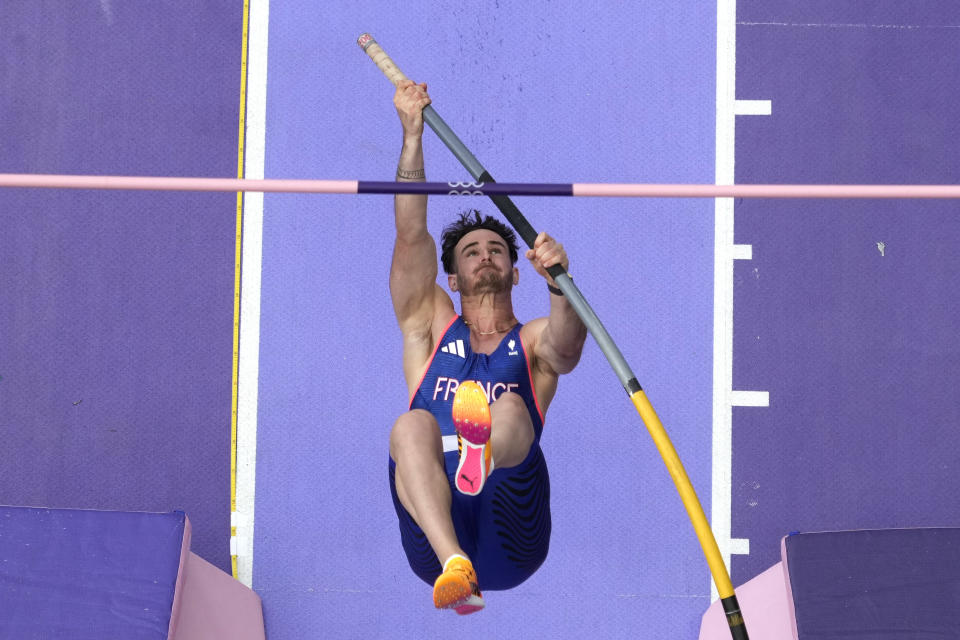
(505, 530)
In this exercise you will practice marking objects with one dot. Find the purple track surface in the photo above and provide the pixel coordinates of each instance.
(117, 308)
(538, 93)
(858, 347)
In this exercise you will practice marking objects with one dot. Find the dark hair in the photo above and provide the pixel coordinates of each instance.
(471, 221)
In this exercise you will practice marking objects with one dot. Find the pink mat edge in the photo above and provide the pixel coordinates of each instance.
(761, 599)
(181, 576)
(786, 579)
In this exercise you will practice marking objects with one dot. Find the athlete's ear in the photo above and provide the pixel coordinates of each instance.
(452, 281)
(516, 276)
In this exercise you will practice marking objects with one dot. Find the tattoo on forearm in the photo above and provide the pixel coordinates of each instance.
(415, 174)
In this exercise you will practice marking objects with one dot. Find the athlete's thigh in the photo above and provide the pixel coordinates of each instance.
(513, 523)
(416, 547)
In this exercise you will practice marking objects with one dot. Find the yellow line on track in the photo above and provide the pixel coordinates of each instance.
(236, 281)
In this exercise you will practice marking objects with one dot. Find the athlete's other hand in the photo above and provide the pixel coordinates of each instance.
(545, 253)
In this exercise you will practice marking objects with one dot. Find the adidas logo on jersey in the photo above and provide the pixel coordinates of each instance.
(456, 348)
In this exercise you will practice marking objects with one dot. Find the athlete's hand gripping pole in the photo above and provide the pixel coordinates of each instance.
(694, 510)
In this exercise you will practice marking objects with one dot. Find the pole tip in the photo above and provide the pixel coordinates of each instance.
(365, 40)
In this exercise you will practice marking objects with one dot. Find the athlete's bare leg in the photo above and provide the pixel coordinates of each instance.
(422, 485)
(511, 430)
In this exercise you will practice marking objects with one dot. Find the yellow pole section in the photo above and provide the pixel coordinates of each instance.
(690, 501)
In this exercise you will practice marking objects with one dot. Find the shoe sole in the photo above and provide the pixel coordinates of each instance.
(450, 594)
(471, 417)
(472, 604)
(453, 593)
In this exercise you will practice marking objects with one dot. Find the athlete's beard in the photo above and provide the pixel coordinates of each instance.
(487, 281)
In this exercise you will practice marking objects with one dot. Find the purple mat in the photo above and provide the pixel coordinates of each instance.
(888, 583)
(88, 574)
(876, 584)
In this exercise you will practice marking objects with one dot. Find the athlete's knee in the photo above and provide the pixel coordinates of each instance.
(510, 411)
(512, 428)
(512, 400)
(416, 429)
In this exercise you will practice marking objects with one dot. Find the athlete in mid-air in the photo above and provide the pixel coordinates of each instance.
(468, 479)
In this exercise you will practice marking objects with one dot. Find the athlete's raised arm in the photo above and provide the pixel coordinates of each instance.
(417, 299)
(560, 343)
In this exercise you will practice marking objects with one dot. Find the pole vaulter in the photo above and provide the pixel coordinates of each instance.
(694, 510)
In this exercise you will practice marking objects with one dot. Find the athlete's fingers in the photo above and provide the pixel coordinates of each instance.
(550, 251)
(542, 238)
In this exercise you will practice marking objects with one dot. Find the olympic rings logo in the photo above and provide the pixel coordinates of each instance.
(467, 186)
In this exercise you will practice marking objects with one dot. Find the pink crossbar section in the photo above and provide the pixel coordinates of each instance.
(767, 190)
(763, 601)
(595, 189)
(150, 183)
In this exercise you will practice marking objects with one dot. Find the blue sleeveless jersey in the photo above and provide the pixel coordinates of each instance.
(505, 530)
(506, 369)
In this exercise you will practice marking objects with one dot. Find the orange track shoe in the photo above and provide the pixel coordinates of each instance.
(456, 588)
(471, 417)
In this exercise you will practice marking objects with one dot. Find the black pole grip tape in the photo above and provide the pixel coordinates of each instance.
(527, 233)
(731, 608)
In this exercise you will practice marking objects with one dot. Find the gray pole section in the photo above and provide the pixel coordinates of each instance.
(529, 235)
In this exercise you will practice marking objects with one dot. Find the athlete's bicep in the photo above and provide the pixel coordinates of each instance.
(543, 377)
(413, 276)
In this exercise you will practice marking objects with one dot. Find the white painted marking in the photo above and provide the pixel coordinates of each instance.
(848, 25)
(252, 243)
(743, 252)
(740, 546)
(753, 107)
(239, 546)
(750, 398)
(726, 87)
(724, 254)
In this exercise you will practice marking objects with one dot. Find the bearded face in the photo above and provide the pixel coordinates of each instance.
(483, 264)
(485, 279)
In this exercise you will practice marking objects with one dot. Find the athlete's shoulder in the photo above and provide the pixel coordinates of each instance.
(531, 331)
